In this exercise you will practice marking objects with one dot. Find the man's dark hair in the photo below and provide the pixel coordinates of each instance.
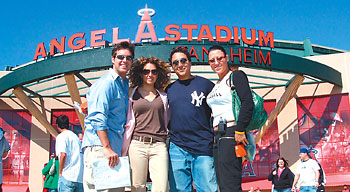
(124, 45)
(217, 47)
(62, 122)
(181, 50)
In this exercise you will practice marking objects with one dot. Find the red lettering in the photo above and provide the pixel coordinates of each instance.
(235, 35)
(169, 31)
(205, 28)
(96, 37)
(255, 57)
(235, 55)
(40, 51)
(248, 169)
(246, 55)
(80, 43)
(55, 44)
(261, 57)
(218, 34)
(141, 34)
(245, 39)
(189, 31)
(204, 50)
(193, 53)
(116, 36)
(267, 38)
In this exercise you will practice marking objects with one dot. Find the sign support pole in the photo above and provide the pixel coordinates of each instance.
(285, 98)
(28, 103)
(74, 95)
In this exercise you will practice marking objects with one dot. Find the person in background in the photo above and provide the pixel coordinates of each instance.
(50, 171)
(308, 173)
(345, 189)
(4, 149)
(191, 135)
(227, 165)
(107, 101)
(146, 125)
(322, 177)
(68, 149)
(281, 177)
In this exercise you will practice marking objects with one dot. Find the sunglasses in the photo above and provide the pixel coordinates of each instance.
(147, 71)
(182, 60)
(121, 57)
(219, 59)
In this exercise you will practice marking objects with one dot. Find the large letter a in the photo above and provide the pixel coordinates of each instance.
(141, 32)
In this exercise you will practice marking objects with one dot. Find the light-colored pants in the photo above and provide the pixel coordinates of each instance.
(92, 154)
(155, 156)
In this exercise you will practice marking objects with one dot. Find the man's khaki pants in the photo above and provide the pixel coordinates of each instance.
(92, 154)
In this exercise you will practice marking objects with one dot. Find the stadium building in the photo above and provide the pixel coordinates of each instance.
(305, 87)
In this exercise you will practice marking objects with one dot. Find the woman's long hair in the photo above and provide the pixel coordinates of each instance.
(163, 77)
(284, 160)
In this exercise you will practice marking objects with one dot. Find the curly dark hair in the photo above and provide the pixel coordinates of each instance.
(135, 73)
(284, 160)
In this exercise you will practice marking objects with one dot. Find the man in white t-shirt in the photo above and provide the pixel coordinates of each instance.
(68, 148)
(307, 174)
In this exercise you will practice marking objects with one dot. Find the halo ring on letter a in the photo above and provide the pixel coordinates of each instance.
(151, 12)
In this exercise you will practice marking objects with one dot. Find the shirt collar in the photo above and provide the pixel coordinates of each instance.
(113, 73)
(116, 76)
(305, 160)
(226, 77)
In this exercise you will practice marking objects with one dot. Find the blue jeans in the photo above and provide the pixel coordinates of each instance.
(308, 189)
(184, 166)
(282, 190)
(69, 186)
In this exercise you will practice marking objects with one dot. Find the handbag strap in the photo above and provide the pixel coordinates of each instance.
(52, 168)
(232, 82)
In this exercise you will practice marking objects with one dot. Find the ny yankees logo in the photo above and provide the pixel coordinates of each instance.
(197, 99)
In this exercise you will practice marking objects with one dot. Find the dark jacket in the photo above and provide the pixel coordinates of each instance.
(284, 182)
(241, 84)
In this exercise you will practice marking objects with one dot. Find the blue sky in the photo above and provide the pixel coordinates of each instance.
(25, 24)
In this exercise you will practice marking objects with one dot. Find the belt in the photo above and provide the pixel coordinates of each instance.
(228, 124)
(146, 139)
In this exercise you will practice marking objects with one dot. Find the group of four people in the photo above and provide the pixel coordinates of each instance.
(138, 122)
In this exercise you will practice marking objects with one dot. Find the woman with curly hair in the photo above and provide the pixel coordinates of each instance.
(281, 177)
(146, 125)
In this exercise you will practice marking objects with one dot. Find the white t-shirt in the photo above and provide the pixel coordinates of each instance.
(307, 170)
(69, 143)
(220, 101)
